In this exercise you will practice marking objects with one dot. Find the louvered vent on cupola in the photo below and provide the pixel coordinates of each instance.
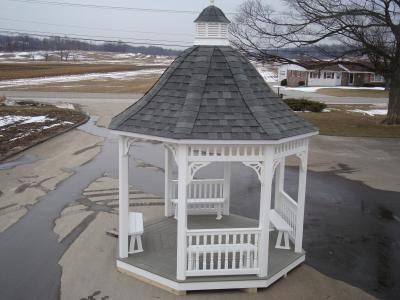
(212, 27)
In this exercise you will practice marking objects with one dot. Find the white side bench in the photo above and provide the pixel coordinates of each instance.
(197, 202)
(283, 230)
(135, 232)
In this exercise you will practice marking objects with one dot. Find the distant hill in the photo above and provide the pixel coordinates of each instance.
(28, 43)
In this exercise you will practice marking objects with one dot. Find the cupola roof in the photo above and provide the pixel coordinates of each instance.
(212, 14)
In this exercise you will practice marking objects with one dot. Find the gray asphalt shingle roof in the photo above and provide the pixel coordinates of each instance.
(211, 93)
(212, 14)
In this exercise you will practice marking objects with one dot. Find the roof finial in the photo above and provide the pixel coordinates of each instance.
(212, 2)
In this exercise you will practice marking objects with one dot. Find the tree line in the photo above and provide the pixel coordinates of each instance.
(64, 46)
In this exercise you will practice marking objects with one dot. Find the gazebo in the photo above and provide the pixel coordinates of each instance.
(212, 106)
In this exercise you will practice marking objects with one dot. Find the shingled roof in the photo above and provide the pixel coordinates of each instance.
(212, 14)
(211, 93)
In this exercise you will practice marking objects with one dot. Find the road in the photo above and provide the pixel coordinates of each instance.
(83, 98)
(352, 225)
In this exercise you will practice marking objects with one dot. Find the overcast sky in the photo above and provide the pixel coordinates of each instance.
(28, 16)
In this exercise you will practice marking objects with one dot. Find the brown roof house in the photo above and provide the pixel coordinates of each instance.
(342, 74)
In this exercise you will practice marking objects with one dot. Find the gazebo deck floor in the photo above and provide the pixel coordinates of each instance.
(159, 244)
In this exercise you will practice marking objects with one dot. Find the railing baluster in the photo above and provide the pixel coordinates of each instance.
(190, 260)
(234, 253)
(241, 252)
(219, 252)
(212, 254)
(204, 260)
(255, 259)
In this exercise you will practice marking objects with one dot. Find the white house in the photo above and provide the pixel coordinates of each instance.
(343, 74)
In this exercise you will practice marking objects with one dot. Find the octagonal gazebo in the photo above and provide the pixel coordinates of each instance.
(211, 105)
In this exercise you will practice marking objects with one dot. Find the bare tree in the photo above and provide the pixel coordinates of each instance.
(363, 28)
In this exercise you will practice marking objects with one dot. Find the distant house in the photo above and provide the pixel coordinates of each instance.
(336, 75)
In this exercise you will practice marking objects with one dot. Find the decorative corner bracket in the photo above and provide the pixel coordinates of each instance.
(128, 142)
(303, 160)
(173, 150)
(194, 167)
(276, 163)
(257, 166)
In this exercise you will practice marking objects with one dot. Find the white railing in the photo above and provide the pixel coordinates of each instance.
(225, 153)
(198, 189)
(286, 207)
(212, 252)
(290, 148)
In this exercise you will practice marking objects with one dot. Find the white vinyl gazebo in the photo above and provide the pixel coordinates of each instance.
(212, 106)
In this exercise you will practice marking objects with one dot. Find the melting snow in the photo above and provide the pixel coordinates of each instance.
(71, 78)
(65, 105)
(313, 89)
(8, 120)
(12, 119)
(37, 119)
(372, 112)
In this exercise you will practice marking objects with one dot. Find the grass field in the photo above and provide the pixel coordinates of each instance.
(136, 85)
(31, 70)
(341, 122)
(353, 92)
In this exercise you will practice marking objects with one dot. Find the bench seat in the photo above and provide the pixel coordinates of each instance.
(283, 230)
(198, 201)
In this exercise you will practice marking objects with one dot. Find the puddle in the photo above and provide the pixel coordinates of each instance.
(21, 160)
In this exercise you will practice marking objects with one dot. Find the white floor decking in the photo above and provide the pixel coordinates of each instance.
(159, 256)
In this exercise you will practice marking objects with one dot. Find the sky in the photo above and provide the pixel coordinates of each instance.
(111, 24)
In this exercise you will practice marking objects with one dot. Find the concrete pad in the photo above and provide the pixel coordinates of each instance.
(373, 161)
(73, 209)
(11, 217)
(103, 183)
(66, 223)
(25, 183)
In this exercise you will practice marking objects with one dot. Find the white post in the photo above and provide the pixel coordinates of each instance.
(227, 187)
(301, 197)
(167, 180)
(181, 258)
(265, 207)
(279, 180)
(123, 197)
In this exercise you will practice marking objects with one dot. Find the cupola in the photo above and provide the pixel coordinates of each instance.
(212, 27)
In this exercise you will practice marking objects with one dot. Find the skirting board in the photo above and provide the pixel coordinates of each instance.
(180, 288)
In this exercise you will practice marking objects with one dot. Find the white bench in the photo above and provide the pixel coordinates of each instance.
(135, 232)
(218, 202)
(283, 230)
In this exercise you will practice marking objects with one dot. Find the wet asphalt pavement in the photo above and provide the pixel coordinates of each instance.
(352, 232)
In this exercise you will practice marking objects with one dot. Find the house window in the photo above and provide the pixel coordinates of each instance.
(328, 75)
(315, 75)
(377, 78)
(338, 75)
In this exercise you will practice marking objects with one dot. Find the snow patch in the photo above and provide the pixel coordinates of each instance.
(71, 78)
(13, 119)
(313, 89)
(37, 119)
(371, 112)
